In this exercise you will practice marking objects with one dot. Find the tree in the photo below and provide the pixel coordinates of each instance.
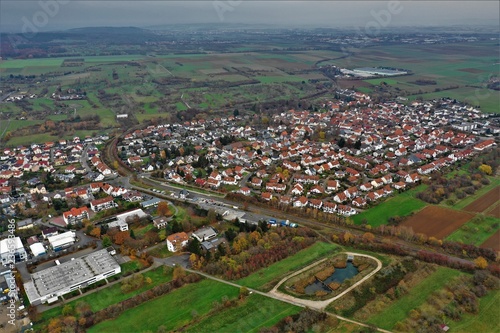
(179, 272)
(486, 169)
(96, 232)
(357, 144)
(341, 142)
(106, 241)
(194, 246)
(368, 237)
(163, 209)
(481, 263)
(244, 292)
(67, 310)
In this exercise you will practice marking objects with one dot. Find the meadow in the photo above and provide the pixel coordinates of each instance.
(253, 313)
(399, 309)
(402, 204)
(265, 278)
(173, 310)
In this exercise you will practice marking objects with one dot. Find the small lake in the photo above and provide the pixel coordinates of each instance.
(339, 276)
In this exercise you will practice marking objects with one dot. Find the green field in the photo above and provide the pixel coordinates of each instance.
(111, 295)
(402, 204)
(256, 312)
(172, 310)
(475, 233)
(376, 82)
(265, 278)
(486, 321)
(398, 310)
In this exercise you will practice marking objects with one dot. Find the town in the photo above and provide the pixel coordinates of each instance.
(288, 161)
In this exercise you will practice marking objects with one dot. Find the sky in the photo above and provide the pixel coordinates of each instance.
(46, 15)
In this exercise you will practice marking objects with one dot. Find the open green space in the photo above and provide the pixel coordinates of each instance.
(485, 321)
(172, 310)
(266, 278)
(376, 82)
(476, 231)
(105, 297)
(255, 312)
(398, 310)
(402, 204)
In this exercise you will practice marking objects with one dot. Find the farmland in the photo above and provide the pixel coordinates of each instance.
(493, 241)
(476, 231)
(486, 201)
(402, 204)
(436, 221)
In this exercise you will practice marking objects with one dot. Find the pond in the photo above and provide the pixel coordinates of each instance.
(339, 276)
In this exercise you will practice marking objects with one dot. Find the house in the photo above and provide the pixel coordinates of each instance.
(301, 202)
(177, 241)
(332, 185)
(340, 197)
(245, 191)
(256, 182)
(366, 187)
(75, 215)
(329, 207)
(160, 222)
(204, 234)
(266, 196)
(297, 189)
(315, 203)
(101, 204)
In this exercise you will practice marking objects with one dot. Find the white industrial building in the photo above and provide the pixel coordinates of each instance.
(12, 251)
(37, 249)
(61, 241)
(47, 285)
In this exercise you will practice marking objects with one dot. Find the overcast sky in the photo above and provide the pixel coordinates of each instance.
(15, 15)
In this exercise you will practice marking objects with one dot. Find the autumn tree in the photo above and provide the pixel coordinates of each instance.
(96, 232)
(368, 237)
(481, 263)
(486, 169)
(163, 209)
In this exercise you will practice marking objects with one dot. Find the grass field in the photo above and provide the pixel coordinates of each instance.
(476, 233)
(172, 310)
(266, 278)
(485, 321)
(256, 312)
(398, 310)
(111, 295)
(401, 204)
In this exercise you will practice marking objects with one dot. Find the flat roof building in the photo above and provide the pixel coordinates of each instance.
(37, 249)
(47, 285)
(12, 251)
(204, 234)
(61, 241)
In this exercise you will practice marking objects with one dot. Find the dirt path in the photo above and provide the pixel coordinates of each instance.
(321, 305)
(305, 303)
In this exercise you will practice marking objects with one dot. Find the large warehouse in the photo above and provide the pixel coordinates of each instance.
(47, 285)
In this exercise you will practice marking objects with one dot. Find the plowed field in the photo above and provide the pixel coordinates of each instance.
(437, 221)
(484, 202)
